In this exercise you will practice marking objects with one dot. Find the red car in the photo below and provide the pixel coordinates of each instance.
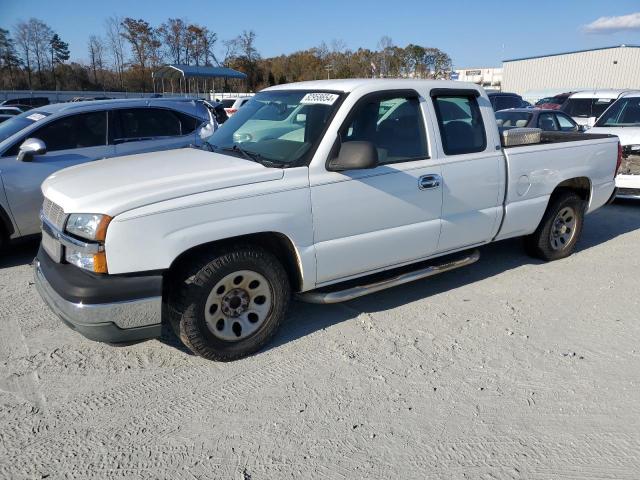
(553, 103)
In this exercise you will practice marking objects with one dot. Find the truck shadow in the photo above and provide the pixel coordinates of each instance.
(600, 227)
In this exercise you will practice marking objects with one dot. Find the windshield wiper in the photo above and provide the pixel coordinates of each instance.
(252, 156)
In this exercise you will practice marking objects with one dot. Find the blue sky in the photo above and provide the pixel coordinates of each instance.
(473, 33)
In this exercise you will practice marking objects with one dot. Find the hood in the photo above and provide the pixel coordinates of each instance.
(115, 185)
(627, 135)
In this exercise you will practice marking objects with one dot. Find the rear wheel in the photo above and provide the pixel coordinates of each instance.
(230, 306)
(559, 230)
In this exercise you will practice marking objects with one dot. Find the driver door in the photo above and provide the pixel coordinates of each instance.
(70, 140)
(368, 220)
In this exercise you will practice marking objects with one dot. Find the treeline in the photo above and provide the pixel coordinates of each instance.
(34, 57)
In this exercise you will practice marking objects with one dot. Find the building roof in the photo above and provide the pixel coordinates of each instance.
(193, 71)
(569, 53)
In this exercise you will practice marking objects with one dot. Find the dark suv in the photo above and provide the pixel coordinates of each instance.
(504, 100)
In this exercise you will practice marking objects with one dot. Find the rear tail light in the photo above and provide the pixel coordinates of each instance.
(619, 162)
(230, 111)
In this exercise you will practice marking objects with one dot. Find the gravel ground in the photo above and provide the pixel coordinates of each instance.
(509, 369)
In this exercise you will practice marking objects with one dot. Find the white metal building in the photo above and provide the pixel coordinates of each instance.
(609, 67)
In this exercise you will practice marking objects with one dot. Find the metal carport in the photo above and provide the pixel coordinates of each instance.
(190, 78)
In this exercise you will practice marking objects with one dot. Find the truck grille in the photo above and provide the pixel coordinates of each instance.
(54, 214)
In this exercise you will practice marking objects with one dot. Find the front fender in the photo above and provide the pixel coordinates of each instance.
(153, 241)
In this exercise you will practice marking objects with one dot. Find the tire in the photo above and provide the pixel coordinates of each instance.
(229, 306)
(559, 229)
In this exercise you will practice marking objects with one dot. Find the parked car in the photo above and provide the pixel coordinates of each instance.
(30, 101)
(553, 103)
(232, 105)
(504, 100)
(547, 120)
(623, 120)
(10, 110)
(345, 199)
(587, 106)
(37, 143)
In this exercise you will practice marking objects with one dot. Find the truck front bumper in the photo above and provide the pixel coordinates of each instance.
(103, 308)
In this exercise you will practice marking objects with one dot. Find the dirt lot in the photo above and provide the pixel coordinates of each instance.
(508, 369)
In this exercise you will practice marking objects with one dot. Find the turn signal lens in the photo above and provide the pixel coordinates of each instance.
(100, 262)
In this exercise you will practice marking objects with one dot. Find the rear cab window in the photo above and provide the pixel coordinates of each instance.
(460, 122)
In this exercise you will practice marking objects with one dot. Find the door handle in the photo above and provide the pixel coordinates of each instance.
(426, 182)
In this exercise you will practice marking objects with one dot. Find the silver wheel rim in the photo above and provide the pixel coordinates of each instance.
(238, 305)
(563, 229)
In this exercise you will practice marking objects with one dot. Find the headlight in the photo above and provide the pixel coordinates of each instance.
(91, 226)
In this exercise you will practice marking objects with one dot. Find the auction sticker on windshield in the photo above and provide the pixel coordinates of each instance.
(36, 116)
(319, 98)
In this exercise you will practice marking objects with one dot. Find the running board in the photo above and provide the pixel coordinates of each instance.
(337, 296)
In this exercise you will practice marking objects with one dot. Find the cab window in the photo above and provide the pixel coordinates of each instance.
(460, 122)
(393, 124)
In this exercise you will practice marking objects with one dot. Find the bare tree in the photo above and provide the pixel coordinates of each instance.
(244, 54)
(40, 35)
(385, 46)
(115, 40)
(144, 45)
(173, 34)
(96, 56)
(23, 40)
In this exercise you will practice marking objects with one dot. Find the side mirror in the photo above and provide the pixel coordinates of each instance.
(582, 128)
(205, 130)
(31, 147)
(354, 156)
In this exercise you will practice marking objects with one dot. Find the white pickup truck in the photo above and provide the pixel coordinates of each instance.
(326, 189)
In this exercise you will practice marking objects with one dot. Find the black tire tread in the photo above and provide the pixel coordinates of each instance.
(196, 273)
(537, 244)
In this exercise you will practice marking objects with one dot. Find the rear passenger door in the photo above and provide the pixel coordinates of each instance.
(149, 129)
(473, 173)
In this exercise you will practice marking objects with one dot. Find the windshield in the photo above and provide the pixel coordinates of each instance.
(624, 113)
(509, 119)
(279, 127)
(17, 123)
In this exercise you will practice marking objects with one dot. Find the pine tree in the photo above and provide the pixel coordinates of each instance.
(59, 54)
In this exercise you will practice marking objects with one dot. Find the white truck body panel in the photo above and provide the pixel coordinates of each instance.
(341, 224)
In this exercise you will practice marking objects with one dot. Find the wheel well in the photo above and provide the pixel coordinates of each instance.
(277, 243)
(581, 186)
(6, 227)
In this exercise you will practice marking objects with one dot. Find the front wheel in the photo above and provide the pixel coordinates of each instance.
(229, 306)
(559, 230)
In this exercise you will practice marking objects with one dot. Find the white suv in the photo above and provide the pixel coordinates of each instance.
(586, 107)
